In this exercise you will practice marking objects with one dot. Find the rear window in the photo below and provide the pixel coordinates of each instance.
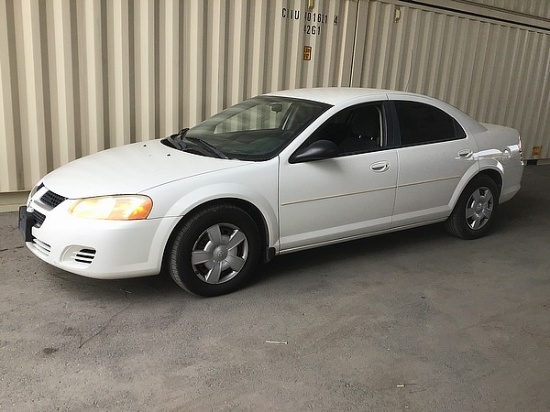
(421, 123)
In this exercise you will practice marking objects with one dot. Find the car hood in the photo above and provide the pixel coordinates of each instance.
(130, 169)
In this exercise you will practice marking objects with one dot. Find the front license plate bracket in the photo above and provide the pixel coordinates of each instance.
(25, 223)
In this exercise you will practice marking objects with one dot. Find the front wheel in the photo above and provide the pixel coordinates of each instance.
(475, 210)
(215, 251)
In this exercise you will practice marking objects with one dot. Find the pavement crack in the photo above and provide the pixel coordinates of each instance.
(13, 248)
(103, 328)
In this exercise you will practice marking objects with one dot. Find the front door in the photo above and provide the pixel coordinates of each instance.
(345, 196)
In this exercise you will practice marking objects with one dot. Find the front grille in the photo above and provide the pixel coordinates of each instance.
(38, 218)
(52, 199)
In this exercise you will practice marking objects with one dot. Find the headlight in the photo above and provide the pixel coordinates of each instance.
(136, 207)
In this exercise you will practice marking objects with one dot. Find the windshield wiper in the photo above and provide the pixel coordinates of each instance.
(176, 140)
(208, 147)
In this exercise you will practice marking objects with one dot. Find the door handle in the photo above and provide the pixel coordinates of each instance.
(465, 153)
(379, 167)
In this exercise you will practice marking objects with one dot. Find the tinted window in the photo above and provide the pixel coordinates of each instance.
(354, 130)
(421, 123)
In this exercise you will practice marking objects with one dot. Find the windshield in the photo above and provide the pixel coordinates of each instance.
(256, 129)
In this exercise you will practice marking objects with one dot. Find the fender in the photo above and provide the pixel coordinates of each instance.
(259, 187)
(220, 191)
(482, 163)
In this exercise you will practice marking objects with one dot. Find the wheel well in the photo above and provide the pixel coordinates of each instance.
(242, 204)
(494, 175)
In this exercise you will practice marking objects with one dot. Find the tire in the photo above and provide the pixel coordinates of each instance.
(475, 210)
(215, 251)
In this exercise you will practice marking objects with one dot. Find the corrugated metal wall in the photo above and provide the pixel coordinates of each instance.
(79, 76)
(496, 72)
(535, 8)
(528, 12)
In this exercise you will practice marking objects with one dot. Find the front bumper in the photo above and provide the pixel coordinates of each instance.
(93, 248)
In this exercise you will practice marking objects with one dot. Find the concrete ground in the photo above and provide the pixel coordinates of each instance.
(413, 321)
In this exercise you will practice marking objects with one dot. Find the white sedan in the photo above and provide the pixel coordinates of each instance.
(275, 174)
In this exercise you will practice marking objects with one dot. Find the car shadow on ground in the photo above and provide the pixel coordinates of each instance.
(375, 247)
(147, 287)
(284, 266)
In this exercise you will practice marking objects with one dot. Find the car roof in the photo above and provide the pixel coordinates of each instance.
(335, 95)
(341, 96)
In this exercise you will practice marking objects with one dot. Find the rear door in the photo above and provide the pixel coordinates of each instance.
(434, 152)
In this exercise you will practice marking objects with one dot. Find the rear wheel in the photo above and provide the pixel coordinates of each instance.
(475, 210)
(215, 251)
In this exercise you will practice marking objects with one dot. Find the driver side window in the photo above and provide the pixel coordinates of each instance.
(354, 130)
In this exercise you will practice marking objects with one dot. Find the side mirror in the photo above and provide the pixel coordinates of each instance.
(321, 149)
